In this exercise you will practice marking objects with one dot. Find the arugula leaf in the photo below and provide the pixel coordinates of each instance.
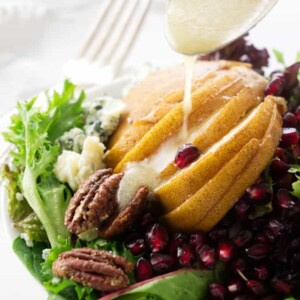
(279, 56)
(296, 187)
(33, 132)
(30, 256)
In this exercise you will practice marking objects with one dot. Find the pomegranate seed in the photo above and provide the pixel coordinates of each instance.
(276, 85)
(284, 199)
(238, 265)
(260, 194)
(257, 224)
(185, 255)
(235, 286)
(217, 291)
(244, 297)
(177, 240)
(297, 113)
(234, 230)
(273, 229)
(242, 238)
(296, 151)
(278, 167)
(282, 287)
(256, 287)
(207, 256)
(162, 262)
(290, 136)
(225, 251)
(186, 154)
(143, 270)
(285, 182)
(137, 246)
(261, 272)
(262, 238)
(289, 120)
(217, 234)
(282, 154)
(197, 240)
(157, 238)
(258, 251)
(270, 297)
(242, 208)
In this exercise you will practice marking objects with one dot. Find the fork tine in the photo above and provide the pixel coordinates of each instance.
(145, 5)
(94, 28)
(118, 35)
(101, 39)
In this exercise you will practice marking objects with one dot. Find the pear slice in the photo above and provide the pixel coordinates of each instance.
(225, 120)
(193, 210)
(246, 178)
(254, 125)
(205, 101)
(148, 102)
(207, 206)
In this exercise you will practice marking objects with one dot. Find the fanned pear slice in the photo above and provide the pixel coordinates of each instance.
(218, 126)
(148, 102)
(205, 101)
(254, 125)
(193, 210)
(207, 206)
(246, 178)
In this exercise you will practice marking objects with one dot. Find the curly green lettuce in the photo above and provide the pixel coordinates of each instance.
(33, 132)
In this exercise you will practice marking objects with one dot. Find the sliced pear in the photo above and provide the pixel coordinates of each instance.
(246, 178)
(225, 120)
(173, 193)
(150, 100)
(205, 100)
(193, 210)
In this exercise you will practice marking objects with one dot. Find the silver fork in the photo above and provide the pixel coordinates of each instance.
(108, 42)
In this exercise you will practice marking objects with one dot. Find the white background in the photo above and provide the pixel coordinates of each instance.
(38, 37)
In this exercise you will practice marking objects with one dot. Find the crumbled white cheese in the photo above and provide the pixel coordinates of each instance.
(19, 197)
(45, 253)
(27, 239)
(102, 117)
(74, 168)
(72, 140)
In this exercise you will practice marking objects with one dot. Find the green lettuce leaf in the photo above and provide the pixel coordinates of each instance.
(33, 132)
(30, 256)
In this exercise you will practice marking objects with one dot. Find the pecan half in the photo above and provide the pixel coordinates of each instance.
(95, 206)
(97, 269)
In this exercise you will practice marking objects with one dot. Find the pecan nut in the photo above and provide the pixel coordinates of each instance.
(97, 269)
(95, 206)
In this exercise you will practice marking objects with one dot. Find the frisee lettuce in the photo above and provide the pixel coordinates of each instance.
(33, 133)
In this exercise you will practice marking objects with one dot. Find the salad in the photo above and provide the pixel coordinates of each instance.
(252, 253)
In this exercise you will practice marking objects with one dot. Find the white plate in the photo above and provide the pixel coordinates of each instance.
(16, 274)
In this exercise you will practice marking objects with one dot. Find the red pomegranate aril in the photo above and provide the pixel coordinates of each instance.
(242, 238)
(245, 297)
(289, 120)
(177, 240)
(276, 85)
(282, 154)
(285, 182)
(282, 287)
(185, 255)
(262, 238)
(297, 114)
(197, 240)
(270, 297)
(157, 238)
(261, 272)
(217, 291)
(162, 262)
(256, 287)
(225, 251)
(207, 256)
(186, 154)
(147, 220)
(284, 199)
(290, 136)
(278, 168)
(238, 265)
(258, 251)
(235, 286)
(143, 269)
(137, 246)
(273, 229)
(242, 208)
(216, 235)
(260, 193)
